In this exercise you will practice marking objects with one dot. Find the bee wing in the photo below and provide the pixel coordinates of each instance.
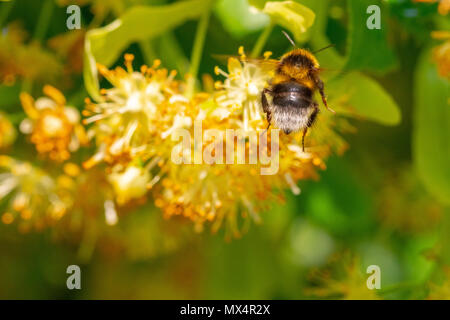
(329, 73)
(266, 64)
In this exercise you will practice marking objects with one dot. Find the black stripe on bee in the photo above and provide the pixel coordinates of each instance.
(291, 94)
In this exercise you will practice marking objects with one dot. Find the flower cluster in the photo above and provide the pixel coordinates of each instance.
(132, 125)
(54, 127)
(32, 195)
(135, 127)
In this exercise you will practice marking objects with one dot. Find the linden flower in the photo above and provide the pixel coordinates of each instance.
(441, 54)
(130, 118)
(130, 184)
(7, 132)
(31, 195)
(54, 127)
(133, 125)
(202, 193)
(241, 91)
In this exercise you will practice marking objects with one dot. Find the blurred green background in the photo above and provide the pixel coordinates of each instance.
(384, 202)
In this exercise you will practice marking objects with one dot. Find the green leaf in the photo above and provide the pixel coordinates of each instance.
(290, 15)
(330, 59)
(356, 95)
(239, 18)
(339, 203)
(431, 134)
(320, 9)
(367, 49)
(104, 45)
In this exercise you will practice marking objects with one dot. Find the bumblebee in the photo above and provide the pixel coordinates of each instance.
(296, 79)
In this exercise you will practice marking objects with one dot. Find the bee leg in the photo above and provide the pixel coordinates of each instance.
(265, 106)
(313, 116)
(303, 138)
(320, 86)
(311, 120)
(268, 126)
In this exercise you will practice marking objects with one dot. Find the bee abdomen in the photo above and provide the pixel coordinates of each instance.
(290, 119)
(291, 106)
(291, 94)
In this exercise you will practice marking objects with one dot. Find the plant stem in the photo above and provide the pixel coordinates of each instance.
(4, 13)
(197, 49)
(262, 41)
(43, 21)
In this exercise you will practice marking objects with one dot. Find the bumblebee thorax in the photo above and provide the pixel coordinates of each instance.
(300, 58)
(297, 65)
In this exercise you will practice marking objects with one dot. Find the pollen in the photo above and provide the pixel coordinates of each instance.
(156, 63)
(129, 57)
(267, 54)
(241, 52)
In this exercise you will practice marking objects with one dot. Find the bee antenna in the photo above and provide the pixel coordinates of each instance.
(289, 38)
(324, 48)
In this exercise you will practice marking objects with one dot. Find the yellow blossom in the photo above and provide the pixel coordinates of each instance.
(130, 120)
(241, 92)
(136, 124)
(30, 194)
(70, 46)
(130, 183)
(53, 126)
